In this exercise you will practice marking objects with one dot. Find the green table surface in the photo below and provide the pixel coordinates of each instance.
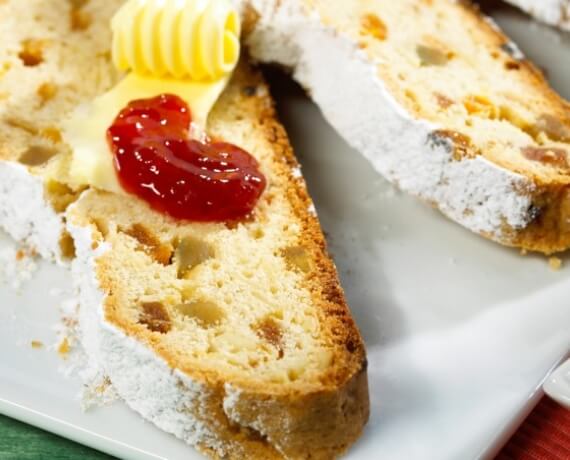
(19, 441)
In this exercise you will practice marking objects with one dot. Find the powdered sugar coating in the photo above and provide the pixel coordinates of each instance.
(474, 192)
(512, 49)
(554, 12)
(24, 212)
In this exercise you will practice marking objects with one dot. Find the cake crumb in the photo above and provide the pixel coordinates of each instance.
(64, 348)
(17, 266)
(524, 252)
(36, 344)
(103, 386)
(555, 263)
(96, 389)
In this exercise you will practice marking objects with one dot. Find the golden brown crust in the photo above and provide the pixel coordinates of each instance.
(549, 231)
(325, 424)
(323, 280)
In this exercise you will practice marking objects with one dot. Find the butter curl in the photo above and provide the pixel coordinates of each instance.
(183, 39)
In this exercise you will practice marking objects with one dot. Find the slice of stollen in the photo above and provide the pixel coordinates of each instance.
(54, 56)
(236, 338)
(440, 102)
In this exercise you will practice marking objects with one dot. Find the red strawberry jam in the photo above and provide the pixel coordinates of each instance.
(156, 160)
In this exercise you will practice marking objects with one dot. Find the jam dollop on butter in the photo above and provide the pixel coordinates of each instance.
(182, 48)
(185, 178)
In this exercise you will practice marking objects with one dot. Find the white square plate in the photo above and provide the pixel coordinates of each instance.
(460, 332)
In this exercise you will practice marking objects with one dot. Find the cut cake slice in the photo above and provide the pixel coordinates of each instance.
(236, 339)
(440, 102)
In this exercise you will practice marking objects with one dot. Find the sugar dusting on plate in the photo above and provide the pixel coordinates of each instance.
(17, 265)
(97, 389)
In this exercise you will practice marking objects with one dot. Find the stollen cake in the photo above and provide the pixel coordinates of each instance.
(440, 102)
(46, 50)
(553, 12)
(233, 336)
